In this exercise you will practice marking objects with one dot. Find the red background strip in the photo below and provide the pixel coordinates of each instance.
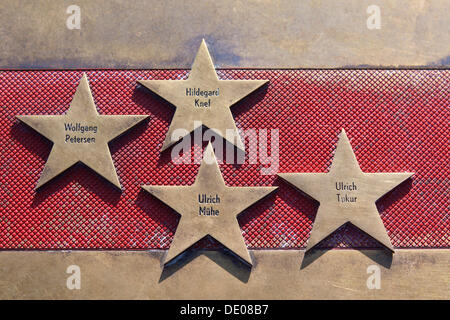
(396, 121)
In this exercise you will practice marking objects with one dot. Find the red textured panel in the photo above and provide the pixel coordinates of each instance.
(396, 121)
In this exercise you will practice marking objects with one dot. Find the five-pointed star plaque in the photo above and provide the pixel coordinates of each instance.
(81, 135)
(208, 207)
(203, 99)
(346, 195)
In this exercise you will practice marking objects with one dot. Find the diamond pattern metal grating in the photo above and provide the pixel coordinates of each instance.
(397, 120)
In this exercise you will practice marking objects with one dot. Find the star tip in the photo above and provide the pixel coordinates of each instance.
(310, 246)
(168, 143)
(344, 137)
(38, 186)
(203, 47)
(259, 83)
(118, 186)
(148, 189)
(209, 148)
(272, 189)
(142, 117)
(168, 258)
(245, 257)
(308, 249)
(407, 175)
(164, 147)
(283, 175)
(84, 81)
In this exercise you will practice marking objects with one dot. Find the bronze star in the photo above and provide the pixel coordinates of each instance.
(80, 135)
(208, 207)
(203, 99)
(346, 194)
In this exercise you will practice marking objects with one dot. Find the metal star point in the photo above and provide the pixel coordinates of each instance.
(80, 135)
(208, 207)
(346, 195)
(203, 99)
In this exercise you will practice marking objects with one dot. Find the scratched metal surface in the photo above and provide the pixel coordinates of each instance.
(241, 34)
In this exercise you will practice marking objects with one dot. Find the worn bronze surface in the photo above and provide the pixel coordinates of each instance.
(276, 274)
(81, 135)
(241, 34)
(209, 107)
(215, 217)
(346, 194)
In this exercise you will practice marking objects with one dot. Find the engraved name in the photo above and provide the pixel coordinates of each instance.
(346, 196)
(200, 102)
(208, 210)
(72, 129)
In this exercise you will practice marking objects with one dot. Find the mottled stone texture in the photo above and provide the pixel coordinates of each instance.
(265, 33)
